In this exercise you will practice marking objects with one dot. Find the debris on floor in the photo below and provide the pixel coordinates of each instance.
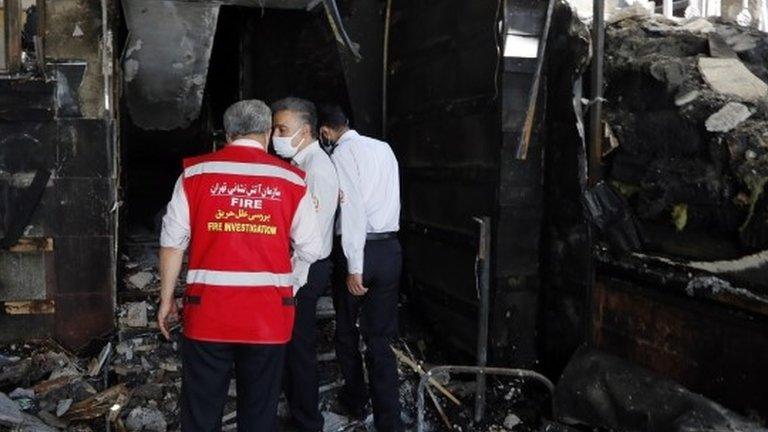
(603, 390)
(132, 382)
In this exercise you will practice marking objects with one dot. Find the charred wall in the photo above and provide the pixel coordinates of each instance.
(291, 53)
(255, 53)
(443, 123)
(58, 280)
(455, 115)
(565, 250)
(692, 185)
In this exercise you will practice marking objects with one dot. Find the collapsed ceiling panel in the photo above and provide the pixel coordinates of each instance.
(165, 64)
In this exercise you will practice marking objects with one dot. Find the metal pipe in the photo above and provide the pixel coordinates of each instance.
(384, 74)
(520, 373)
(596, 110)
(484, 299)
(337, 25)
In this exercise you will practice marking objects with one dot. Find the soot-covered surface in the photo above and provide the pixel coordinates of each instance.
(694, 179)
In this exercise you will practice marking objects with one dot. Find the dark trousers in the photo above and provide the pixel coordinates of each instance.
(377, 310)
(300, 382)
(206, 373)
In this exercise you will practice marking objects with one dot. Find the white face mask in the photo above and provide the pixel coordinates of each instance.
(284, 147)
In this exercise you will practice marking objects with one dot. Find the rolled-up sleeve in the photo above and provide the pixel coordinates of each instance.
(175, 232)
(353, 217)
(306, 240)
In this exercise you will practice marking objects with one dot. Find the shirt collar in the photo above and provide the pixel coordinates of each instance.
(348, 135)
(245, 142)
(301, 156)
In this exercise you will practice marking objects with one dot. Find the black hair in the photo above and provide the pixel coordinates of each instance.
(332, 116)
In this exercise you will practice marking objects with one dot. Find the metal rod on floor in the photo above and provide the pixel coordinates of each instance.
(484, 298)
(596, 110)
(520, 373)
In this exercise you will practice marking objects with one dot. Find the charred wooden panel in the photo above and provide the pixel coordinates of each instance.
(364, 23)
(454, 116)
(289, 53)
(75, 209)
(443, 125)
(717, 350)
(26, 100)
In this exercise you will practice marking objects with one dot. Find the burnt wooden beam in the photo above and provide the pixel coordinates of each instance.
(31, 307)
(13, 35)
(27, 245)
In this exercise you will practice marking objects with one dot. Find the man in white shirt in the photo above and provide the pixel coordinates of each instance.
(369, 222)
(294, 137)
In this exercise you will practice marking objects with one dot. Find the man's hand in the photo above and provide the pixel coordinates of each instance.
(170, 267)
(167, 313)
(355, 285)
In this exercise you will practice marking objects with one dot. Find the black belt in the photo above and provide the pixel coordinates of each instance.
(381, 236)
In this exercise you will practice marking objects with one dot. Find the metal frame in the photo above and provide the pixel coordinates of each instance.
(520, 373)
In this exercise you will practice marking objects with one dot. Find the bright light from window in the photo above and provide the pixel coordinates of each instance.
(521, 46)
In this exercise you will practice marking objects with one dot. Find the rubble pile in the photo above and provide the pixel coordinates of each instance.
(687, 132)
(132, 382)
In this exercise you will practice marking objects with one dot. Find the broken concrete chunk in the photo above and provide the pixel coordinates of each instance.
(739, 41)
(334, 422)
(10, 414)
(670, 72)
(719, 48)
(730, 76)
(125, 349)
(141, 279)
(699, 25)
(170, 365)
(687, 98)
(136, 314)
(633, 11)
(510, 421)
(729, 117)
(67, 371)
(31, 423)
(22, 393)
(63, 406)
(146, 419)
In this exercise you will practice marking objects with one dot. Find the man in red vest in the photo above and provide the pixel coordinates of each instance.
(242, 212)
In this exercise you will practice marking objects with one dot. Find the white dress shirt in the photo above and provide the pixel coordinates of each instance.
(370, 193)
(305, 238)
(323, 185)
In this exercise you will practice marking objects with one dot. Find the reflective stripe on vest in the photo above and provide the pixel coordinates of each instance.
(240, 168)
(239, 279)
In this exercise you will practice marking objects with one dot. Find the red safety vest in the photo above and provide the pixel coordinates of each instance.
(239, 286)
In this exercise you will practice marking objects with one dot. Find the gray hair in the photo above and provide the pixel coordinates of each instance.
(307, 113)
(247, 117)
